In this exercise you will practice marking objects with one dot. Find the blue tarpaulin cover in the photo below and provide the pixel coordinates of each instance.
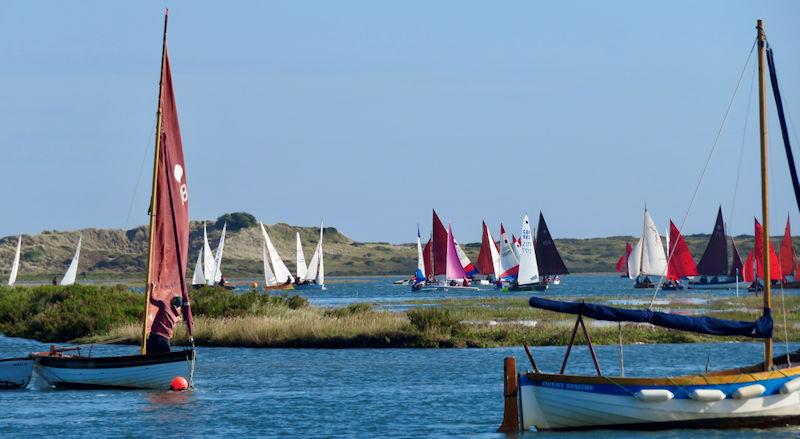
(761, 328)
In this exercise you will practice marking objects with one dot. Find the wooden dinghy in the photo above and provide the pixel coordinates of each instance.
(154, 371)
(15, 373)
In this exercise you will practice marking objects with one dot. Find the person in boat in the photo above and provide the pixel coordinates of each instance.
(222, 281)
(55, 280)
(288, 281)
(161, 329)
(453, 283)
(465, 283)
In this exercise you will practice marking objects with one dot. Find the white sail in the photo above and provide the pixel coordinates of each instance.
(635, 260)
(208, 257)
(72, 271)
(218, 258)
(12, 278)
(199, 278)
(496, 265)
(528, 268)
(269, 277)
(666, 241)
(508, 260)
(654, 261)
(321, 271)
(420, 258)
(301, 260)
(313, 265)
(462, 257)
(282, 274)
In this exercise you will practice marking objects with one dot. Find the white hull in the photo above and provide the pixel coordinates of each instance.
(82, 372)
(15, 373)
(455, 288)
(557, 408)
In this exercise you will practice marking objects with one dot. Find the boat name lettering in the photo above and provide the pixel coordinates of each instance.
(569, 386)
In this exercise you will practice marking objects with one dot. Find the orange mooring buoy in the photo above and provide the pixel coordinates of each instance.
(254, 285)
(178, 384)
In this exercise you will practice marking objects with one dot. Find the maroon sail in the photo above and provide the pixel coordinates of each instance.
(737, 268)
(439, 246)
(426, 255)
(714, 261)
(166, 284)
(547, 256)
(485, 264)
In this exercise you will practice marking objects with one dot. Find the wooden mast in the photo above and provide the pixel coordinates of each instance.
(149, 286)
(762, 112)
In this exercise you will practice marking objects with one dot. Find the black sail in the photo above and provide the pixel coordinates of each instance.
(715, 259)
(547, 256)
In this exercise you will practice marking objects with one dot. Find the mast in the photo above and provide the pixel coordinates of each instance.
(152, 212)
(762, 112)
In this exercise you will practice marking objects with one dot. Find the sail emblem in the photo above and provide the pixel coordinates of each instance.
(178, 172)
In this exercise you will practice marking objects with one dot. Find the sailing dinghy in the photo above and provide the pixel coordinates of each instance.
(528, 278)
(455, 276)
(166, 294)
(680, 262)
(12, 276)
(551, 265)
(766, 394)
(622, 263)
(648, 257)
(206, 266)
(279, 277)
(489, 256)
(315, 274)
(72, 270)
(712, 270)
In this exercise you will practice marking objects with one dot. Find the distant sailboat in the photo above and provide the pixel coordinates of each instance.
(754, 264)
(528, 278)
(489, 256)
(551, 265)
(680, 263)
(208, 256)
(205, 269)
(12, 277)
(469, 267)
(509, 263)
(419, 274)
(455, 276)
(166, 297)
(283, 277)
(713, 271)
(438, 248)
(315, 274)
(72, 271)
(648, 257)
(622, 263)
(217, 273)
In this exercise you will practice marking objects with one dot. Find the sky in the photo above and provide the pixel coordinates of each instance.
(369, 114)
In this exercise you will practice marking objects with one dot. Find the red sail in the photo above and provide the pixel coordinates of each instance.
(485, 264)
(774, 263)
(169, 297)
(681, 263)
(439, 246)
(787, 256)
(748, 271)
(426, 255)
(622, 263)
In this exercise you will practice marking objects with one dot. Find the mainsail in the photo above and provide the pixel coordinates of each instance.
(648, 257)
(72, 271)
(269, 277)
(12, 277)
(218, 258)
(528, 267)
(208, 256)
(775, 266)
(169, 219)
(714, 261)
(321, 270)
(419, 275)
(198, 278)
(282, 274)
(301, 259)
(547, 256)
(509, 262)
(454, 271)
(313, 265)
(439, 246)
(489, 256)
(681, 263)
(426, 256)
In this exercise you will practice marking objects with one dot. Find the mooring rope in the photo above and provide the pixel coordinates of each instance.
(705, 168)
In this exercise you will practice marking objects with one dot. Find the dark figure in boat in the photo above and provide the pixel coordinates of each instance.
(55, 280)
(161, 329)
(643, 283)
(222, 281)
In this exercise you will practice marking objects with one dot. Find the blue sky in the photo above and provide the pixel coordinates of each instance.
(369, 114)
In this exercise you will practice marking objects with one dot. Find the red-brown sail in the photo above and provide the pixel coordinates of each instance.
(775, 266)
(439, 246)
(485, 264)
(787, 255)
(715, 258)
(622, 263)
(167, 294)
(681, 263)
(426, 255)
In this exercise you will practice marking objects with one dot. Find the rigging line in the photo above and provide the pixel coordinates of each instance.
(139, 175)
(741, 148)
(705, 168)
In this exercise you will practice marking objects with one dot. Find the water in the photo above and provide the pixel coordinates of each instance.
(356, 392)
(338, 393)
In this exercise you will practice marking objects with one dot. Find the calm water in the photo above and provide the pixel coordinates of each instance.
(349, 392)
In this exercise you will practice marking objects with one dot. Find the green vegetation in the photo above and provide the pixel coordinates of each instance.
(236, 221)
(254, 319)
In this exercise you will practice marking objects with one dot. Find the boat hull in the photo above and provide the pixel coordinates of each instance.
(564, 402)
(453, 288)
(309, 287)
(716, 283)
(15, 373)
(123, 372)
